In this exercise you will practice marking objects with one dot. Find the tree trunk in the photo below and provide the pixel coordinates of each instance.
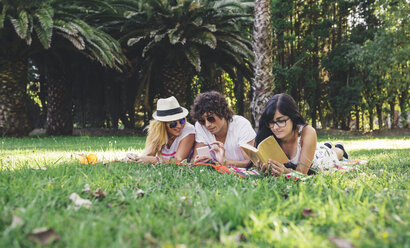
(239, 93)
(263, 83)
(59, 104)
(174, 81)
(211, 81)
(14, 117)
(392, 124)
(357, 118)
(379, 115)
(371, 119)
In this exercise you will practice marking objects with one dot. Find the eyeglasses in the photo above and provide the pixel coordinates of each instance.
(174, 124)
(279, 123)
(210, 119)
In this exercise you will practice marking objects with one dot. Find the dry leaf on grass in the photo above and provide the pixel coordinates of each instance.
(396, 217)
(80, 202)
(140, 193)
(341, 243)
(44, 236)
(308, 212)
(150, 239)
(86, 188)
(98, 193)
(16, 221)
(87, 159)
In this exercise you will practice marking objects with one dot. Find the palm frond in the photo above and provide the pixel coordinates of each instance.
(30, 29)
(77, 41)
(175, 34)
(205, 38)
(45, 29)
(134, 41)
(3, 15)
(20, 24)
(65, 27)
(148, 47)
(193, 56)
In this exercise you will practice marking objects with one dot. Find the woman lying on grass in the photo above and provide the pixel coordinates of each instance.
(297, 139)
(220, 130)
(170, 136)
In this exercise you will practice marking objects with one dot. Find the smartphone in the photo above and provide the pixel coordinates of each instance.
(203, 151)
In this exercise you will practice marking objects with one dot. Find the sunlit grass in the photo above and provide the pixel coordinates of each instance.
(199, 207)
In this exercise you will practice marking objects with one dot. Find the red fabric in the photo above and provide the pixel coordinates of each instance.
(220, 168)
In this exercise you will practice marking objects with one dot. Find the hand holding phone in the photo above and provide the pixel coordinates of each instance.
(203, 151)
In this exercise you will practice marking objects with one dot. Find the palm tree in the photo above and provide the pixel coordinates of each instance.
(29, 27)
(177, 39)
(263, 83)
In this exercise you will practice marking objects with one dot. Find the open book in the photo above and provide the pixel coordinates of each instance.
(267, 149)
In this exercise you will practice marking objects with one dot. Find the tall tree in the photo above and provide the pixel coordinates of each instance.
(178, 39)
(30, 27)
(263, 83)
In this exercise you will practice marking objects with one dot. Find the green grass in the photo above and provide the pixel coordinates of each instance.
(198, 207)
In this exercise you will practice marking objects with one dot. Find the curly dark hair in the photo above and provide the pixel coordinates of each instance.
(211, 102)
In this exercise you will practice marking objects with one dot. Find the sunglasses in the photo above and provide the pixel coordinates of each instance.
(210, 119)
(174, 124)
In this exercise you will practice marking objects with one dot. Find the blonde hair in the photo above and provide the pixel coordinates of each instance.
(157, 138)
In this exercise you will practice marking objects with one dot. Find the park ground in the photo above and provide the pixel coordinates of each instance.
(175, 206)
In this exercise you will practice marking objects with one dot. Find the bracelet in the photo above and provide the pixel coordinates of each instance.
(158, 159)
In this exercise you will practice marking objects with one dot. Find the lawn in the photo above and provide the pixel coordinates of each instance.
(198, 207)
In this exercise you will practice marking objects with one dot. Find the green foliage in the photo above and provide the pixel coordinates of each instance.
(57, 18)
(203, 35)
(199, 206)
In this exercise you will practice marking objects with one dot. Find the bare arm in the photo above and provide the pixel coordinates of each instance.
(185, 147)
(220, 155)
(308, 149)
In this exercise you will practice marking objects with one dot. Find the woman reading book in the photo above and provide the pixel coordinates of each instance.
(298, 140)
(220, 130)
(170, 136)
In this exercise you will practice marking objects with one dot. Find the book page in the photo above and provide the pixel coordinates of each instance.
(269, 148)
(251, 152)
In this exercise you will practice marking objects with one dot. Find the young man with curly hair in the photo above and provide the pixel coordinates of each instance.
(223, 132)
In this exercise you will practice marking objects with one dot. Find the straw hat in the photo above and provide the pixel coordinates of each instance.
(168, 109)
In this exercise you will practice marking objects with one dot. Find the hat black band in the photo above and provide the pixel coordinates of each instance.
(169, 111)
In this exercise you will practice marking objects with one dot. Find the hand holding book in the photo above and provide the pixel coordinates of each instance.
(269, 148)
(272, 167)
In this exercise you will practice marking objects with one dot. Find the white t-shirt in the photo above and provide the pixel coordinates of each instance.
(240, 132)
(168, 153)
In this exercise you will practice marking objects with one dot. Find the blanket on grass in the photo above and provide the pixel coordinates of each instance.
(347, 165)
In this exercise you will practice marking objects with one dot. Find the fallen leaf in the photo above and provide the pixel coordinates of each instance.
(80, 202)
(16, 222)
(396, 217)
(308, 212)
(44, 236)
(341, 243)
(86, 188)
(139, 193)
(92, 158)
(149, 238)
(235, 238)
(87, 159)
(98, 193)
